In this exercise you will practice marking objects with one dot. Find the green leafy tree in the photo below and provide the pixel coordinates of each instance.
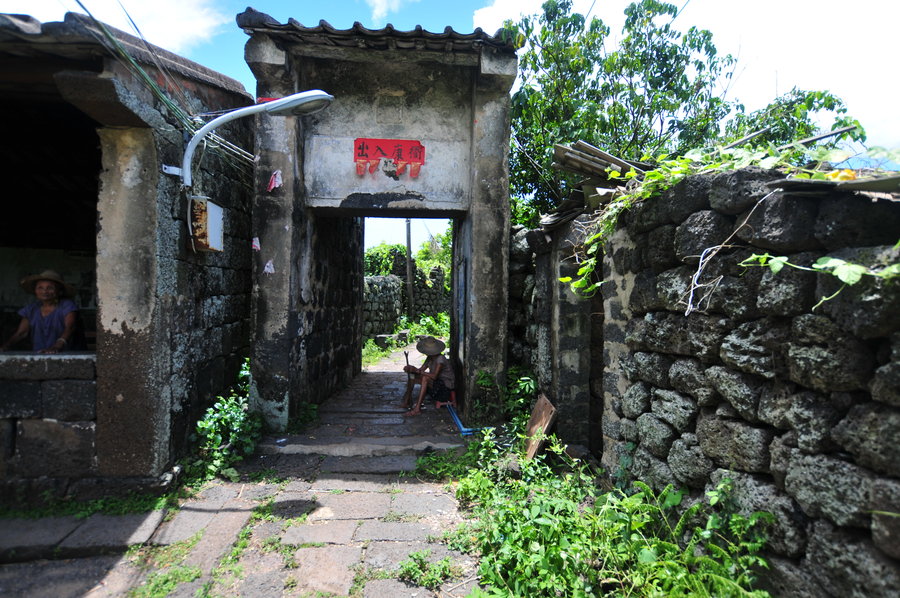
(790, 117)
(380, 259)
(658, 91)
(437, 251)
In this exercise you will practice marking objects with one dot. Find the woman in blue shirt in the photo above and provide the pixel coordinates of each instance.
(50, 319)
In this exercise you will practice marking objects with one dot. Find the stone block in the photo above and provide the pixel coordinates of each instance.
(757, 347)
(644, 295)
(791, 291)
(786, 578)
(48, 367)
(701, 231)
(847, 220)
(828, 487)
(70, 400)
(775, 402)
(660, 249)
(688, 463)
(689, 195)
(656, 435)
(674, 408)
(688, 376)
(885, 384)
(867, 309)
(885, 506)
(735, 296)
(850, 566)
(696, 335)
(783, 223)
(869, 433)
(735, 191)
(735, 444)
(752, 493)
(742, 391)
(651, 470)
(636, 400)
(628, 430)
(812, 417)
(652, 368)
(20, 399)
(672, 288)
(781, 450)
(823, 358)
(51, 448)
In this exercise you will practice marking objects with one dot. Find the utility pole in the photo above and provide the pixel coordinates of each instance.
(409, 270)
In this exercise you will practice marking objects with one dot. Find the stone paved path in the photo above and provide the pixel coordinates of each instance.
(332, 515)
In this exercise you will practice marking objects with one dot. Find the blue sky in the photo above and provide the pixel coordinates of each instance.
(846, 48)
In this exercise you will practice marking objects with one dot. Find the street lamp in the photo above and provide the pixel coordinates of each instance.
(305, 102)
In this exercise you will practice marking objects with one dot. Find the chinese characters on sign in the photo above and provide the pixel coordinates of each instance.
(368, 153)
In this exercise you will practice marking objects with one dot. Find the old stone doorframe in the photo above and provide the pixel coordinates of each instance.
(399, 97)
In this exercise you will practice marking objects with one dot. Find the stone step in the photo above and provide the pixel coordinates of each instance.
(357, 446)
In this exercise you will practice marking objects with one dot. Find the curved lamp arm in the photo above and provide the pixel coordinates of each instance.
(298, 104)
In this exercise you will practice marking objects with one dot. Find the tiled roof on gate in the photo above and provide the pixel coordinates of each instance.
(387, 38)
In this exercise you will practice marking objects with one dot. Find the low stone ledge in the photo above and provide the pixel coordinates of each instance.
(30, 366)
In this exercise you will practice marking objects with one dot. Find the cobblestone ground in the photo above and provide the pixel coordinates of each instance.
(330, 512)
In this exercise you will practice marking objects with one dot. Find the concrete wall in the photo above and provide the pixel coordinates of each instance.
(799, 407)
(456, 105)
(172, 324)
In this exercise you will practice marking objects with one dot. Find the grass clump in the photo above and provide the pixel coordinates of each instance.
(418, 570)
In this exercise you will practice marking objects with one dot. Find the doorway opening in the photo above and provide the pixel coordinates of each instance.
(50, 167)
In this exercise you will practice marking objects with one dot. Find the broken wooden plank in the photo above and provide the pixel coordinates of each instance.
(599, 153)
(542, 417)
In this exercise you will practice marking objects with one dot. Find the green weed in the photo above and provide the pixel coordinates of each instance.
(419, 571)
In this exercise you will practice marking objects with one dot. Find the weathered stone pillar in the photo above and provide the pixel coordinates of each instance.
(485, 235)
(275, 226)
(132, 419)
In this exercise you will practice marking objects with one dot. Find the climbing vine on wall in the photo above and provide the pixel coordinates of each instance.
(671, 170)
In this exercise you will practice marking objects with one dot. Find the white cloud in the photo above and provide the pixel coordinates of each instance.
(382, 8)
(196, 21)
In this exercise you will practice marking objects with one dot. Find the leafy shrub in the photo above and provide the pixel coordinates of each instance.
(544, 528)
(416, 569)
(380, 260)
(228, 432)
(511, 404)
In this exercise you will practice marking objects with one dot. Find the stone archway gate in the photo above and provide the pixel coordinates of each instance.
(419, 128)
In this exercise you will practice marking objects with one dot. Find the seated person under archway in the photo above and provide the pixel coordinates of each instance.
(435, 378)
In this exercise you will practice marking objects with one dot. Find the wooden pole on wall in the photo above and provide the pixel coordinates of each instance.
(409, 270)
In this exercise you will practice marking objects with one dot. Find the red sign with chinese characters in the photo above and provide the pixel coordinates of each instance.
(368, 153)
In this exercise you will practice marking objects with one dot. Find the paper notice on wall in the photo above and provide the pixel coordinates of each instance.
(255, 244)
(274, 181)
(269, 267)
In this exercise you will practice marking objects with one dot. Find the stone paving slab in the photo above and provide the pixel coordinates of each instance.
(327, 568)
(109, 533)
(395, 531)
(195, 514)
(220, 534)
(294, 504)
(328, 532)
(26, 539)
(96, 577)
(381, 588)
(389, 555)
(364, 482)
(423, 504)
(390, 464)
(351, 505)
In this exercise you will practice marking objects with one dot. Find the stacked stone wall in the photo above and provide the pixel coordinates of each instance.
(800, 407)
(385, 300)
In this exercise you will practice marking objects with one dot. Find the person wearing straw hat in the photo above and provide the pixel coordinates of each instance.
(435, 377)
(50, 319)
